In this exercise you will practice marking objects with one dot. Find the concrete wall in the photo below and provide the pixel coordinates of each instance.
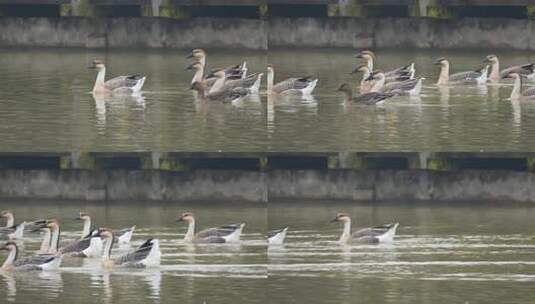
(133, 185)
(275, 32)
(255, 186)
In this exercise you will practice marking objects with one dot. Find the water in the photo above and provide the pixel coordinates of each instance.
(457, 253)
(45, 105)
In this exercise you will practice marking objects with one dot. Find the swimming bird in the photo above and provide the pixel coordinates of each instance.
(146, 255)
(238, 71)
(129, 84)
(402, 73)
(224, 234)
(371, 98)
(303, 85)
(11, 230)
(410, 87)
(223, 83)
(379, 234)
(518, 93)
(478, 76)
(123, 236)
(37, 262)
(495, 75)
(227, 95)
(276, 237)
(48, 247)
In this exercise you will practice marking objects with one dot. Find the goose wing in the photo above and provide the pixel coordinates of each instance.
(297, 83)
(465, 76)
(244, 83)
(137, 255)
(37, 259)
(76, 246)
(406, 69)
(123, 82)
(372, 98)
(525, 69)
(218, 231)
(529, 93)
(402, 86)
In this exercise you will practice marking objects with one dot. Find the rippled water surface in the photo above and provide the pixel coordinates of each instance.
(464, 253)
(45, 105)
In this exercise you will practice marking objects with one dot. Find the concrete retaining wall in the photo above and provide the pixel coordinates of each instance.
(261, 34)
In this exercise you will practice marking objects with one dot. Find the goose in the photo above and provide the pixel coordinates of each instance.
(38, 262)
(146, 255)
(371, 98)
(228, 95)
(518, 93)
(79, 248)
(130, 84)
(49, 244)
(406, 72)
(224, 234)
(410, 87)
(304, 85)
(232, 72)
(366, 85)
(276, 237)
(478, 76)
(496, 75)
(123, 236)
(11, 230)
(222, 82)
(379, 234)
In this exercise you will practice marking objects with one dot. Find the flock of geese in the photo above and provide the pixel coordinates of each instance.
(376, 86)
(99, 242)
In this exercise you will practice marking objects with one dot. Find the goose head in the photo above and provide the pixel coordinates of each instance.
(441, 61)
(103, 233)
(83, 216)
(346, 88)
(9, 246)
(366, 55)
(186, 217)
(6, 214)
(53, 224)
(341, 217)
(492, 59)
(97, 65)
(361, 68)
(197, 54)
(270, 68)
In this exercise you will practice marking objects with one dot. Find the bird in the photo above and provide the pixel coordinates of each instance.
(410, 87)
(37, 262)
(478, 76)
(371, 98)
(401, 73)
(11, 230)
(130, 84)
(304, 85)
(147, 254)
(496, 75)
(518, 93)
(123, 236)
(276, 237)
(223, 234)
(379, 234)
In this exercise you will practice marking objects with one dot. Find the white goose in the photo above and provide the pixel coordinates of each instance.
(146, 255)
(130, 84)
(478, 76)
(123, 236)
(276, 237)
(379, 234)
(224, 234)
(38, 262)
(303, 85)
(518, 93)
(49, 245)
(12, 230)
(495, 75)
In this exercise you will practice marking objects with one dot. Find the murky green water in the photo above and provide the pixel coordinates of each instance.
(459, 253)
(45, 105)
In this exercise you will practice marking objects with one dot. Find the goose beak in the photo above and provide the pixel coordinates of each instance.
(334, 220)
(358, 56)
(189, 67)
(371, 77)
(180, 220)
(190, 55)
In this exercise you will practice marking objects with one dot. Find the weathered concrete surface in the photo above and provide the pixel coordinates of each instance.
(493, 33)
(134, 185)
(402, 32)
(133, 32)
(388, 185)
